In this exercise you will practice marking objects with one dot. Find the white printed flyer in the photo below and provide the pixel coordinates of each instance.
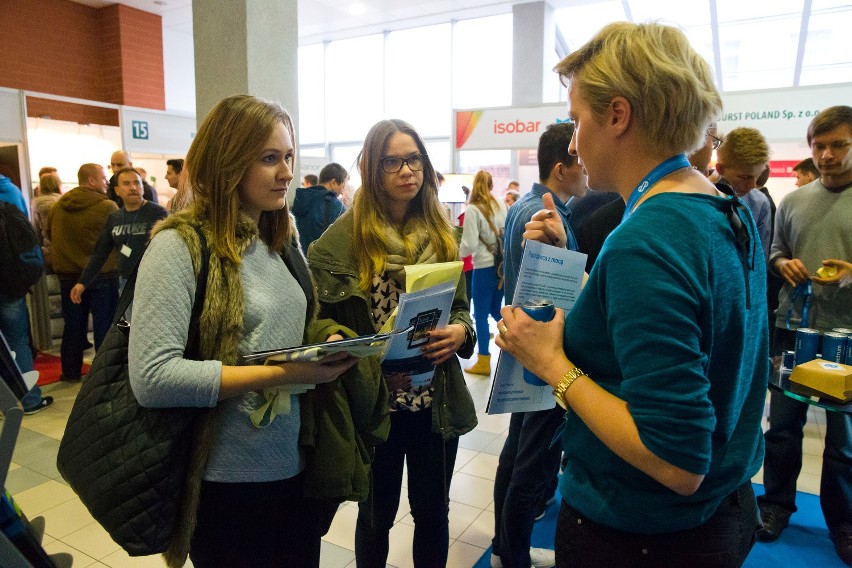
(546, 273)
(425, 305)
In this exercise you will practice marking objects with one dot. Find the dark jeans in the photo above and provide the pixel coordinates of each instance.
(15, 325)
(525, 471)
(255, 525)
(100, 299)
(783, 461)
(487, 300)
(430, 462)
(723, 541)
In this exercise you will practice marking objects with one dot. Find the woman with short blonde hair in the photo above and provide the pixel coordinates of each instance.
(663, 358)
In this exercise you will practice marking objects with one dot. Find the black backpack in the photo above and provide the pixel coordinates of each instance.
(21, 262)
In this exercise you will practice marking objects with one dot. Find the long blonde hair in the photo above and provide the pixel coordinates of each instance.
(370, 211)
(228, 142)
(481, 196)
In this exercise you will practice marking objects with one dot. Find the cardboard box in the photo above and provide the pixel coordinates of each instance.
(826, 377)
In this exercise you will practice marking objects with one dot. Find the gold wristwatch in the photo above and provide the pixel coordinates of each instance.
(562, 386)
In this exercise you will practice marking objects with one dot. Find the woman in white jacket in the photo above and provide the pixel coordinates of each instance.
(482, 237)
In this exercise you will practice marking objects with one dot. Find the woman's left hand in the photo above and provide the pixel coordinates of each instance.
(536, 345)
(443, 343)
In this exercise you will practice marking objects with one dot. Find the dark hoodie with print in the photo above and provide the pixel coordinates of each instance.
(75, 223)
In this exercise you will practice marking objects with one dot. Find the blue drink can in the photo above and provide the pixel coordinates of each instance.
(848, 333)
(539, 310)
(807, 341)
(834, 346)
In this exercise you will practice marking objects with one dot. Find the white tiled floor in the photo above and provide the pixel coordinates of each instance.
(39, 490)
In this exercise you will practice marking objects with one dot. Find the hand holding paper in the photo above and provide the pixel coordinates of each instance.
(443, 343)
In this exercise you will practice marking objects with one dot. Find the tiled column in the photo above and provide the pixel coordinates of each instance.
(245, 47)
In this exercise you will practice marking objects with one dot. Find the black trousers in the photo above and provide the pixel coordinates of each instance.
(723, 541)
(259, 525)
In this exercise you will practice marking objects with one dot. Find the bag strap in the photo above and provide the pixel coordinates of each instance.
(194, 337)
(495, 248)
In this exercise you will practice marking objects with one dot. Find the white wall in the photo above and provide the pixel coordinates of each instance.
(179, 71)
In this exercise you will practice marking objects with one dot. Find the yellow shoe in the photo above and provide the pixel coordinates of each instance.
(481, 367)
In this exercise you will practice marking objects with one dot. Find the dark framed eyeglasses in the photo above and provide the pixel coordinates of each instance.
(716, 141)
(393, 164)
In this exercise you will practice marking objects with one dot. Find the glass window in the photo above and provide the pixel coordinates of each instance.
(312, 151)
(758, 52)
(424, 103)
(482, 62)
(827, 56)
(311, 100)
(494, 161)
(347, 155)
(439, 154)
(354, 87)
(579, 23)
(692, 17)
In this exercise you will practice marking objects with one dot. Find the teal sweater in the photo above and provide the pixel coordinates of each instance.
(663, 324)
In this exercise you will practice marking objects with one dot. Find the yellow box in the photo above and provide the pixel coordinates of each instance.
(826, 377)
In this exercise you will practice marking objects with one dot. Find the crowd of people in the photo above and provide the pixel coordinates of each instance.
(658, 403)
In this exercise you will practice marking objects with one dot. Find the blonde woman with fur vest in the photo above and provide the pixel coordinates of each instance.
(246, 505)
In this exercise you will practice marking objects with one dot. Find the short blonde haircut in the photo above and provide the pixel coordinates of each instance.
(744, 147)
(669, 86)
(229, 140)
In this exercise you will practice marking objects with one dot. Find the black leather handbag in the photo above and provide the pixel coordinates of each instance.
(127, 463)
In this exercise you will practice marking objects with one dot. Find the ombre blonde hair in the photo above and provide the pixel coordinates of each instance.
(371, 217)
(669, 86)
(229, 141)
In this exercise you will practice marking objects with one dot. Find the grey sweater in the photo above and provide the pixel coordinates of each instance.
(274, 318)
(814, 224)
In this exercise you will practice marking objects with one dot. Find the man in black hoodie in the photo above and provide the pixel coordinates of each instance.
(317, 207)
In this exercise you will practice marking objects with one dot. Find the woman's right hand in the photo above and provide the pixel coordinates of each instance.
(317, 372)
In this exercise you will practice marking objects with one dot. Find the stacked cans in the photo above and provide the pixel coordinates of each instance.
(836, 345)
(846, 349)
(807, 345)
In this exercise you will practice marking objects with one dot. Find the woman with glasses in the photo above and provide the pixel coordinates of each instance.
(482, 238)
(663, 359)
(397, 220)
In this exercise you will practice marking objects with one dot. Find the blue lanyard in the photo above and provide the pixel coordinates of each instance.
(804, 290)
(662, 170)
